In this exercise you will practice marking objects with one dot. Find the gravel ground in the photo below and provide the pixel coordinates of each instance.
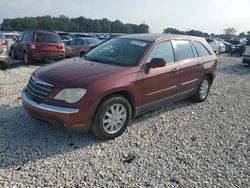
(182, 145)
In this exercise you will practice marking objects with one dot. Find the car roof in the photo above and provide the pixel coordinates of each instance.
(156, 37)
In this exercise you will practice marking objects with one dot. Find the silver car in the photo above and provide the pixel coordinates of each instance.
(11, 37)
(4, 54)
(246, 54)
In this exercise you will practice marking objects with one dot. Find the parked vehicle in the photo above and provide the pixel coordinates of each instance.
(11, 37)
(38, 45)
(246, 53)
(4, 54)
(214, 44)
(66, 37)
(237, 47)
(80, 46)
(121, 78)
(228, 47)
(79, 35)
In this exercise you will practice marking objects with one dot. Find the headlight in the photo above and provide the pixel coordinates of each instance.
(71, 95)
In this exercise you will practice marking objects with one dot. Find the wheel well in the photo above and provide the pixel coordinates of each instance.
(125, 94)
(210, 76)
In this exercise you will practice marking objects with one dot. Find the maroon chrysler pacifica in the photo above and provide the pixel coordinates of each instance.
(122, 78)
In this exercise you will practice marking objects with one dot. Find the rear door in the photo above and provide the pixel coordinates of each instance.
(48, 43)
(161, 83)
(189, 65)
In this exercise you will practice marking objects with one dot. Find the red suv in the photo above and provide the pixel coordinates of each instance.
(122, 78)
(38, 45)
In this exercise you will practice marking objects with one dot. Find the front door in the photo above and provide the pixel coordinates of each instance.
(161, 83)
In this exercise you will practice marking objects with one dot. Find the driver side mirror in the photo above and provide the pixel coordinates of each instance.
(155, 63)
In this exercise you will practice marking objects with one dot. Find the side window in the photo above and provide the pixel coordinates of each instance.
(183, 50)
(73, 42)
(80, 42)
(163, 50)
(25, 37)
(194, 50)
(202, 50)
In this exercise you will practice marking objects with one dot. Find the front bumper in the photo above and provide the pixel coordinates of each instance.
(69, 117)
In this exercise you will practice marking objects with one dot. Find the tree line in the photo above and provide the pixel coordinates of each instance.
(80, 24)
(228, 33)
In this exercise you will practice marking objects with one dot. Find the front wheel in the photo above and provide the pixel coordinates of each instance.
(203, 90)
(111, 118)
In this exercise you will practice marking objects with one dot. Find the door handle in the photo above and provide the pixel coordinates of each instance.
(174, 70)
(199, 63)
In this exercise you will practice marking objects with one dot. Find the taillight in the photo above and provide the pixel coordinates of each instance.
(60, 46)
(4, 42)
(33, 46)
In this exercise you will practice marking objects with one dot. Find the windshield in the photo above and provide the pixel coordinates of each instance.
(124, 52)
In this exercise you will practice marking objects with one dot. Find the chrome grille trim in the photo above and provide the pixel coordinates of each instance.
(38, 90)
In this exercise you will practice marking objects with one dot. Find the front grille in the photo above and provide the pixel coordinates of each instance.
(38, 89)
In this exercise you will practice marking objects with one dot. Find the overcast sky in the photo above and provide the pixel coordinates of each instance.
(210, 16)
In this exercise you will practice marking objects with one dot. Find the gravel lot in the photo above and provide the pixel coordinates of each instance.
(182, 145)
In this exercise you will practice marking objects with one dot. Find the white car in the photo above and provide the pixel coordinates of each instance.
(214, 44)
(11, 38)
(246, 54)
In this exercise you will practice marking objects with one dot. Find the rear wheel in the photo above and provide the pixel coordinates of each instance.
(26, 59)
(244, 61)
(12, 54)
(111, 118)
(203, 90)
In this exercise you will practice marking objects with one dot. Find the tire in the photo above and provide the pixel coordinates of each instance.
(26, 59)
(12, 54)
(202, 92)
(244, 61)
(107, 130)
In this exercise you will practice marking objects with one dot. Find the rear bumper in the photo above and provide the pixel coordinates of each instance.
(246, 57)
(69, 117)
(4, 56)
(47, 56)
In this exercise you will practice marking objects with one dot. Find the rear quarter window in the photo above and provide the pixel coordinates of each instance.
(183, 50)
(48, 38)
(202, 50)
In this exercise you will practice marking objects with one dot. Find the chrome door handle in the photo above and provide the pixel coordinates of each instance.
(174, 70)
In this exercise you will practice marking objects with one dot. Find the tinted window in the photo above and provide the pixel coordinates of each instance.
(124, 52)
(48, 38)
(73, 42)
(248, 42)
(163, 50)
(80, 42)
(202, 50)
(25, 37)
(183, 50)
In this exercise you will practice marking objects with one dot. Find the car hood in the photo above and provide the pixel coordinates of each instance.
(75, 72)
